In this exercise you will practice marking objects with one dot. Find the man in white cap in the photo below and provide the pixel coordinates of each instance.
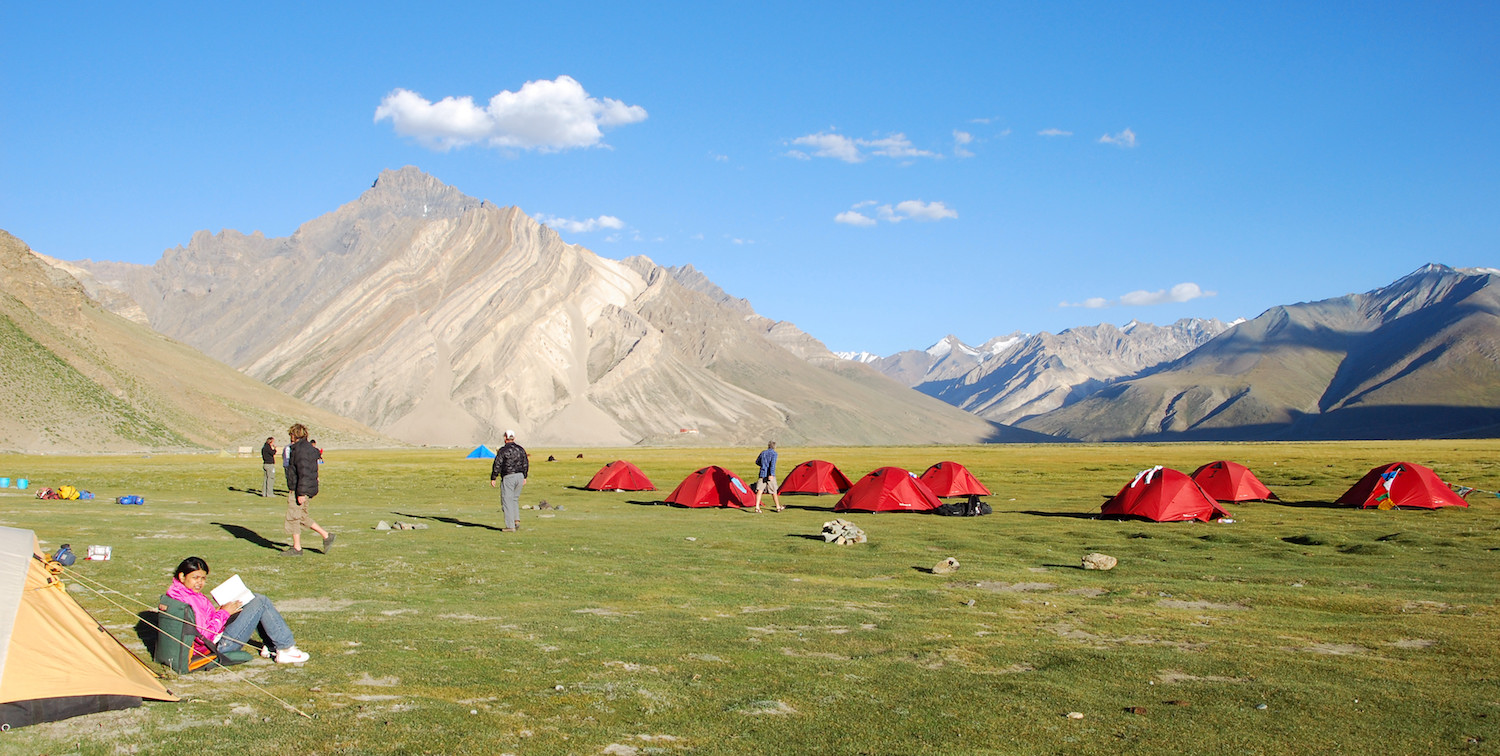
(511, 466)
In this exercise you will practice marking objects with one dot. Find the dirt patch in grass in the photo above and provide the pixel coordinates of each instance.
(313, 605)
(601, 612)
(1172, 676)
(1179, 604)
(997, 587)
(759, 708)
(1332, 649)
(1413, 643)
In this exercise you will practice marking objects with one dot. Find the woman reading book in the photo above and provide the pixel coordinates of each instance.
(230, 625)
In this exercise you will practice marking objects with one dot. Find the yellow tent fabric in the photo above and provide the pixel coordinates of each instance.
(50, 647)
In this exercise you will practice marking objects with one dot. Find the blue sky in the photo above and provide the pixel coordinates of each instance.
(880, 174)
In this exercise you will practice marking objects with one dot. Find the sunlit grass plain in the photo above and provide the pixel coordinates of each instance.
(614, 625)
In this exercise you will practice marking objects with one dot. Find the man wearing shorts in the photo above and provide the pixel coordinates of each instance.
(302, 486)
(767, 476)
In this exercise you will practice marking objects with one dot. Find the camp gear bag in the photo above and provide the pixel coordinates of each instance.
(65, 555)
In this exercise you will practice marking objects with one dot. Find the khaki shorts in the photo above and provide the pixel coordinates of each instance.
(297, 517)
(766, 485)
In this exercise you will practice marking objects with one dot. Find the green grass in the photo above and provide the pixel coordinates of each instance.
(605, 625)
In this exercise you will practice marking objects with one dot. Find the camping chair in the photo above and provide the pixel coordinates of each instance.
(174, 643)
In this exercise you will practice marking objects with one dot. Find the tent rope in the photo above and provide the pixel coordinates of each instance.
(163, 634)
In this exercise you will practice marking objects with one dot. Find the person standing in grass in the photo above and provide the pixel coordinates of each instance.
(511, 467)
(766, 476)
(268, 463)
(302, 486)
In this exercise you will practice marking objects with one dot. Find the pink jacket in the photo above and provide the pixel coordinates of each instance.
(209, 621)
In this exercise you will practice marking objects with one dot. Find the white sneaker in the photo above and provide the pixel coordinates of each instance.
(290, 655)
(265, 652)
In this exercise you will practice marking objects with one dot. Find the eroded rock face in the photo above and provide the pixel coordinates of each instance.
(442, 319)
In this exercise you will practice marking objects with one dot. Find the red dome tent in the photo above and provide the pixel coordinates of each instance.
(953, 479)
(620, 475)
(713, 486)
(1402, 484)
(1164, 495)
(889, 489)
(1231, 481)
(815, 477)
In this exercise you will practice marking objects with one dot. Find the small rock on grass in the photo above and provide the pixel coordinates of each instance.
(946, 567)
(1135, 710)
(1097, 561)
(1075, 715)
(1261, 707)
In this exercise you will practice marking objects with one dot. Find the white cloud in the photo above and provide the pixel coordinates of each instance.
(1125, 139)
(1054, 133)
(960, 139)
(716, 157)
(1183, 292)
(799, 154)
(548, 116)
(854, 218)
(584, 226)
(837, 146)
(908, 210)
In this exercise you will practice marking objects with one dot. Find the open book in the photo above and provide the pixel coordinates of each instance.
(232, 589)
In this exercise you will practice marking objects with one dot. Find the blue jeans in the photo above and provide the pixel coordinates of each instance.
(259, 612)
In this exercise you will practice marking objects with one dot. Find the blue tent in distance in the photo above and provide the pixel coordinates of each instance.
(481, 452)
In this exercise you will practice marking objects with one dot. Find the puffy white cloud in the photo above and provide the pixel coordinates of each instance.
(830, 145)
(854, 218)
(581, 227)
(960, 139)
(908, 210)
(1183, 292)
(548, 116)
(1125, 139)
(1054, 133)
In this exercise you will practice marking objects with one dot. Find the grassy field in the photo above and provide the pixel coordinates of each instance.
(618, 626)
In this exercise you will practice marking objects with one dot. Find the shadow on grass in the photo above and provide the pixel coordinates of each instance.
(924, 570)
(804, 535)
(256, 491)
(650, 503)
(245, 534)
(1311, 505)
(1075, 515)
(807, 507)
(145, 628)
(450, 521)
(600, 490)
(1066, 566)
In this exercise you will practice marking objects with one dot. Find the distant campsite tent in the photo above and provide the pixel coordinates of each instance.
(481, 452)
(1231, 481)
(1402, 484)
(56, 661)
(620, 475)
(712, 486)
(889, 489)
(1164, 495)
(953, 479)
(815, 477)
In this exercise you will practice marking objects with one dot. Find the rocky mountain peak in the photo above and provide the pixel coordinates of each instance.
(410, 192)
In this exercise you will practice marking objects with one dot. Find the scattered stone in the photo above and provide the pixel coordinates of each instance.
(690, 538)
(970, 602)
(382, 525)
(946, 567)
(842, 532)
(526, 506)
(1141, 710)
(1178, 703)
(1261, 707)
(543, 504)
(1075, 715)
(1097, 561)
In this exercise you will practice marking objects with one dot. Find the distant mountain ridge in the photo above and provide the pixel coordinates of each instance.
(78, 378)
(1417, 358)
(1017, 376)
(438, 318)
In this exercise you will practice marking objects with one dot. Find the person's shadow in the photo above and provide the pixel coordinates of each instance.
(245, 534)
(256, 491)
(145, 629)
(450, 521)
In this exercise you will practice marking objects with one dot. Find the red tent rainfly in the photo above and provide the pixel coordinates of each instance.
(712, 486)
(620, 475)
(1164, 495)
(815, 477)
(1231, 481)
(1402, 484)
(953, 479)
(889, 489)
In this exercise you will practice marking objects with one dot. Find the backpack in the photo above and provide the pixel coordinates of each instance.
(130, 499)
(47, 493)
(67, 492)
(65, 555)
(85, 494)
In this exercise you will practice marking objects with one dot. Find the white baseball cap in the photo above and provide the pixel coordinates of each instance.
(510, 434)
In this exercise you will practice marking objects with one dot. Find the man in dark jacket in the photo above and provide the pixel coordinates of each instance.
(511, 467)
(302, 485)
(268, 463)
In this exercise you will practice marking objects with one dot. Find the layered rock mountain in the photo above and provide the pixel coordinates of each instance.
(1017, 376)
(78, 378)
(438, 318)
(1417, 358)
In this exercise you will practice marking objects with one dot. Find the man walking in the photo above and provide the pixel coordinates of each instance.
(766, 479)
(511, 467)
(268, 463)
(302, 486)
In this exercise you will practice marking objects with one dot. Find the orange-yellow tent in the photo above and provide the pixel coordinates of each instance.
(56, 661)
